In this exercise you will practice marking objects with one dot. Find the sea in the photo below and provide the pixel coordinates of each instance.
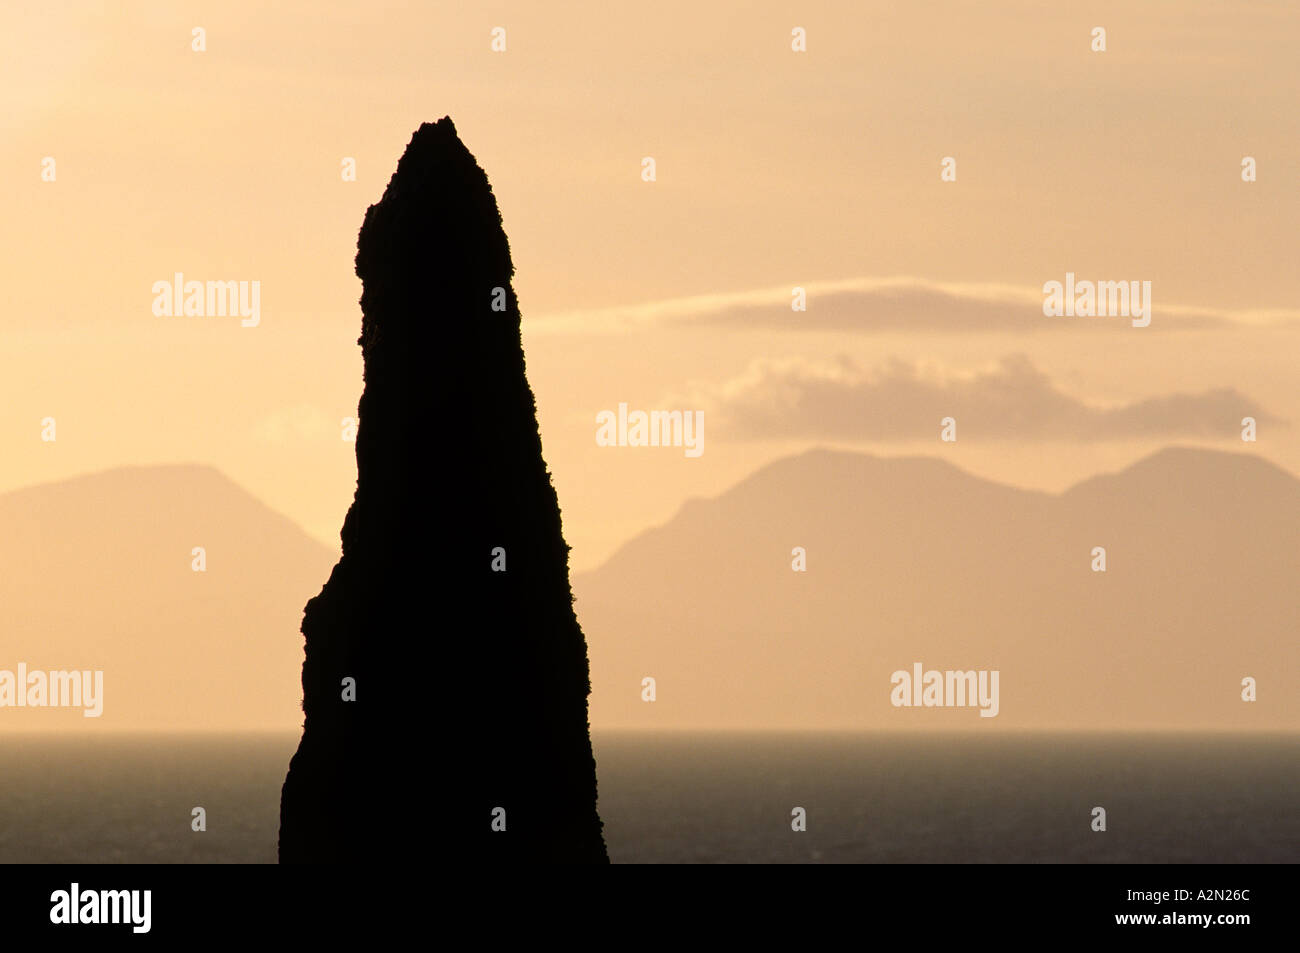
(719, 798)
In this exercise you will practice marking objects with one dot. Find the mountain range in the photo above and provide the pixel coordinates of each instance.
(911, 560)
(98, 572)
(908, 560)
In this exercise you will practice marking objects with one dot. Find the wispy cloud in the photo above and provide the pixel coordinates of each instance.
(900, 401)
(873, 305)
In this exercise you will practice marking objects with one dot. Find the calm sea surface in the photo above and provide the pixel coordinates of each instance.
(718, 798)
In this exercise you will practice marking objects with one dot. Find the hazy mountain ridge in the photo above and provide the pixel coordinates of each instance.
(96, 572)
(911, 559)
(1202, 551)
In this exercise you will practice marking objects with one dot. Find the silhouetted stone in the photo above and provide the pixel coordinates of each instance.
(471, 684)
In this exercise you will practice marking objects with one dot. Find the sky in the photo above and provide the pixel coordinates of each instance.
(774, 169)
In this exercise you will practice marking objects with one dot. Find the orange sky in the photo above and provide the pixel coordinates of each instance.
(775, 169)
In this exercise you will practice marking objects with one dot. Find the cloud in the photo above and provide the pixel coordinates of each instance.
(874, 305)
(1012, 400)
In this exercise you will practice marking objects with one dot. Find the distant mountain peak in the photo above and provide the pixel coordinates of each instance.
(789, 599)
